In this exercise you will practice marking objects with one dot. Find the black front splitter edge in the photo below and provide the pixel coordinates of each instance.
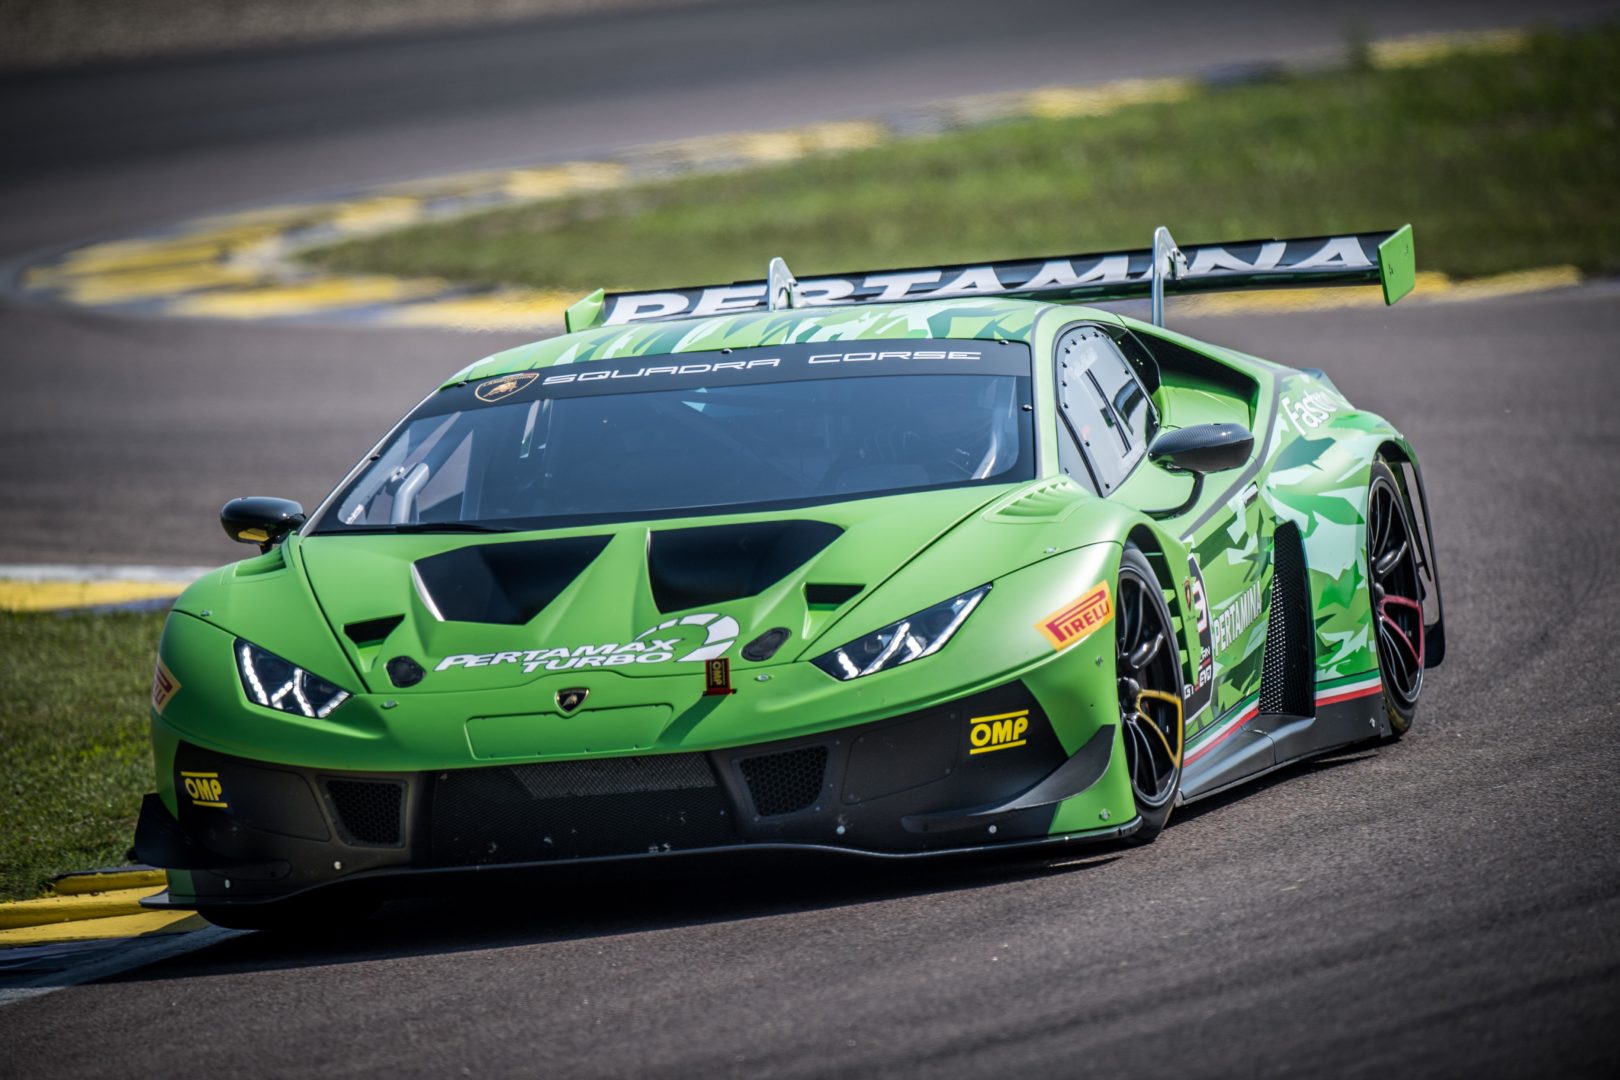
(382, 878)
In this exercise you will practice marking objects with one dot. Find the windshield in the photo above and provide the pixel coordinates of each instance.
(671, 436)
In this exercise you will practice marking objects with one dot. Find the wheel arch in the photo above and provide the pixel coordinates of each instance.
(1165, 555)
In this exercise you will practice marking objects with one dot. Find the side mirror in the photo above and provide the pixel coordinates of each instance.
(260, 520)
(1200, 449)
(1203, 448)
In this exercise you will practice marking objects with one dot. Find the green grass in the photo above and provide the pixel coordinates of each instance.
(1502, 162)
(74, 753)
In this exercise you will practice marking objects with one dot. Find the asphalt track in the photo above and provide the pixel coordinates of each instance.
(1446, 905)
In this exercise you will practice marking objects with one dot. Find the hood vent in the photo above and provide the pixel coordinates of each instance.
(710, 565)
(827, 597)
(503, 583)
(372, 631)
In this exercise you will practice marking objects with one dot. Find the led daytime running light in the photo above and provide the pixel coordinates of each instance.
(300, 692)
(923, 634)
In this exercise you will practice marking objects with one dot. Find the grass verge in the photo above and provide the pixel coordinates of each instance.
(73, 739)
(1503, 162)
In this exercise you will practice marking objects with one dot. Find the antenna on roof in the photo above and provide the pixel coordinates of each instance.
(781, 288)
(1168, 262)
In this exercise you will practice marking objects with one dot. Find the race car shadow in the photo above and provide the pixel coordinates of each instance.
(513, 909)
(1350, 755)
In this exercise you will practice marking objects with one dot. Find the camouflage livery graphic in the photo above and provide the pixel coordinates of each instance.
(696, 583)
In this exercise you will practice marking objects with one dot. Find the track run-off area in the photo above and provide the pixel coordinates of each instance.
(1445, 905)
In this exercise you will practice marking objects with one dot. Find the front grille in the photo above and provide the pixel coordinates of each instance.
(574, 809)
(369, 813)
(1289, 661)
(787, 782)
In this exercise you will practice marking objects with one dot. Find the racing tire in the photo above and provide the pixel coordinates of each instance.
(1396, 599)
(1147, 664)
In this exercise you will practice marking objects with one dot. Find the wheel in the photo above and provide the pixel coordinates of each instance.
(1147, 664)
(1397, 597)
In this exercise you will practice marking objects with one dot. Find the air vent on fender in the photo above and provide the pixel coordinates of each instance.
(712, 564)
(819, 595)
(1053, 500)
(504, 583)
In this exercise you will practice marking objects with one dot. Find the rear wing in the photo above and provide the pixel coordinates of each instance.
(1370, 258)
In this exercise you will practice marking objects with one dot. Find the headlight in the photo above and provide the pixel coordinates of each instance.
(924, 634)
(276, 684)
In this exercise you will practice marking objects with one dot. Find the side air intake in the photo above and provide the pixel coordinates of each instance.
(1286, 677)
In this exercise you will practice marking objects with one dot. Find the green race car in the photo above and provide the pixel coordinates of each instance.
(896, 564)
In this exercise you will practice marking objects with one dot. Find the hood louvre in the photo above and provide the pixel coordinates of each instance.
(508, 583)
(710, 565)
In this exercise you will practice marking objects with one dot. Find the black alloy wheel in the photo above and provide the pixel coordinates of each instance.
(1397, 597)
(1147, 664)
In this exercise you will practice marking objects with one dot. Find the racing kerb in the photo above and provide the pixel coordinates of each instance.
(243, 266)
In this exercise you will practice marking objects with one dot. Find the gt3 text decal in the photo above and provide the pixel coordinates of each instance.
(1196, 694)
(164, 686)
(1071, 623)
(1000, 732)
(204, 789)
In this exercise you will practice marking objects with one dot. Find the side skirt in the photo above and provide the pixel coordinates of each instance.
(1246, 745)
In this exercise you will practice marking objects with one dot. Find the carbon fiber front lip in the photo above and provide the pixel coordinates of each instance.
(162, 901)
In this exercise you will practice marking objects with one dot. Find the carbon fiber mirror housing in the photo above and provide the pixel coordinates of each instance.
(1203, 448)
(259, 519)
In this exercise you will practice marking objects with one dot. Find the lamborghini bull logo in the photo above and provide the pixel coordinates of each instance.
(671, 640)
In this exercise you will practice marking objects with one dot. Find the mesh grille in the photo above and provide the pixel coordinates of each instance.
(787, 782)
(570, 809)
(368, 812)
(1285, 678)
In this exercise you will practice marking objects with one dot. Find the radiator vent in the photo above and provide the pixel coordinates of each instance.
(369, 813)
(785, 783)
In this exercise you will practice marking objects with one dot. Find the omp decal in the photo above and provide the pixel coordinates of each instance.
(1004, 731)
(720, 633)
(204, 789)
(1213, 736)
(504, 386)
(1077, 620)
(717, 677)
(1237, 617)
(164, 686)
(1358, 688)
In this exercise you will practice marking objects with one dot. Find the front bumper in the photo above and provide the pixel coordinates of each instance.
(986, 770)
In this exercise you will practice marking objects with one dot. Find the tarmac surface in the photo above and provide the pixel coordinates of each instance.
(1445, 905)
